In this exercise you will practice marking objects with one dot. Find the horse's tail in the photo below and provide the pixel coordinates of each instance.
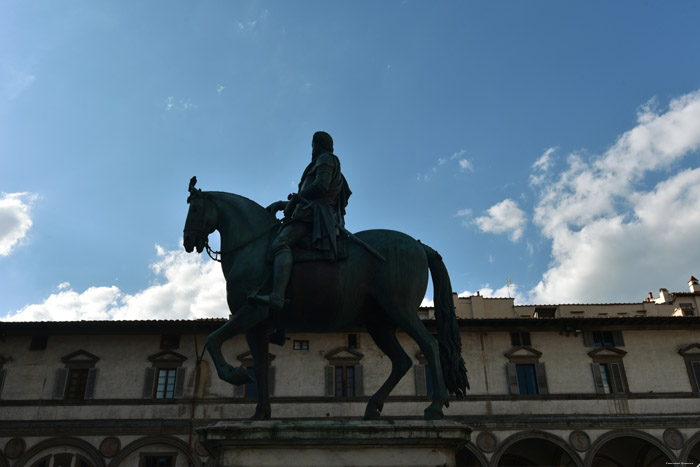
(449, 342)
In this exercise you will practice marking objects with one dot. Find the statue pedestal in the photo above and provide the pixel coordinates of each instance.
(331, 443)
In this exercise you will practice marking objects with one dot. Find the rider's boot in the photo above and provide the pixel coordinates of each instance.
(281, 270)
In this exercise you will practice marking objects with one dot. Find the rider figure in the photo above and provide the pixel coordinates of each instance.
(316, 211)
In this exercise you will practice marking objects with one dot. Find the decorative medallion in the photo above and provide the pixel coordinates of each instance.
(200, 449)
(486, 442)
(110, 446)
(579, 440)
(15, 448)
(673, 438)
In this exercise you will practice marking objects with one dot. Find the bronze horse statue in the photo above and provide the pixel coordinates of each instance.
(324, 296)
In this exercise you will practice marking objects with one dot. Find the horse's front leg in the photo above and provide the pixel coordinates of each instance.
(259, 347)
(246, 317)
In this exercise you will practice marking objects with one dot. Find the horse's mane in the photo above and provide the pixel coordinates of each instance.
(241, 201)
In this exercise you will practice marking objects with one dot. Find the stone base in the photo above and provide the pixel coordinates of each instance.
(335, 443)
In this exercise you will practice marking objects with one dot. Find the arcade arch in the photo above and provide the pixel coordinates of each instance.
(629, 449)
(535, 448)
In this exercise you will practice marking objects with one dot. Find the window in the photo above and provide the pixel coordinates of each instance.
(353, 341)
(527, 381)
(165, 379)
(301, 345)
(608, 370)
(63, 459)
(39, 343)
(3, 371)
(520, 338)
(542, 312)
(691, 355)
(424, 380)
(165, 385)
(611, 378)
(603, 339)
(251, 389)
(157, 460)
(76, 381)
(344, 381)
(525, 373)
(344, 373)
(169, 341)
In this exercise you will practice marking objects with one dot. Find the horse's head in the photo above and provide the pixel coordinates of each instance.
(201, 219)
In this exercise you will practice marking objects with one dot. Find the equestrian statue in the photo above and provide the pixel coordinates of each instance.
(308, 273)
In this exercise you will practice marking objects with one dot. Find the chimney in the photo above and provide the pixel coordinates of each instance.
(664, 296)
(694, 284)
(651, 297)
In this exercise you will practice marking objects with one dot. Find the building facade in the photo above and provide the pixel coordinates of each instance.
(585, 385)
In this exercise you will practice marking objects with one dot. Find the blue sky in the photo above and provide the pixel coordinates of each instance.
(552, 144)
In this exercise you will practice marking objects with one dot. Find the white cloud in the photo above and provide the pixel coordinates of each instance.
(220, 88)
(464, 213)
(190, 287)
(15, 220)
(610, 236)
(464, 164)
(541, 167)
(503, 217)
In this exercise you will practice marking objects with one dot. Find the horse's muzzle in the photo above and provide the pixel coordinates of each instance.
(189, 243)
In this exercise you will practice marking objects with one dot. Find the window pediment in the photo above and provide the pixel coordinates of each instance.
(523, 354)
(692, 350)
(344, 356)
(607, 352)
(246, 358)
(167, 359)
(80, 359)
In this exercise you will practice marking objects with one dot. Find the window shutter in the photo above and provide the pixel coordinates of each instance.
(3, 372)
(271, 380)
(588, 339)
(694, 366)
(239, 390)
(179, 383)
(421, 383)
(148, 382)
(617, 377)
(359, 385)
(330, 381)
(59, 387)
(597, 378)
(618, 341)
(90, 384)
(512, 372)
(541, 376)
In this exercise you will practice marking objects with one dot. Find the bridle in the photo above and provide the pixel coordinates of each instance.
(196, 193)
(215, 255)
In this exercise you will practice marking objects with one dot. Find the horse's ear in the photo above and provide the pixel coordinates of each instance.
(192, 189)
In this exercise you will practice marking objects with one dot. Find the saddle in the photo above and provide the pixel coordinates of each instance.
(306, 253)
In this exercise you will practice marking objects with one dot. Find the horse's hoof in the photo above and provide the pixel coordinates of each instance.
(261, 415)
(278, 337)
(372, 414)
(432, 414)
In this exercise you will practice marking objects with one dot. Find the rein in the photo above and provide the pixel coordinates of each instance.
(216, 255)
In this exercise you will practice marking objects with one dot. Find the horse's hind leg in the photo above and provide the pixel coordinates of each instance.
(384, 335)
(259, 346)
(409, 322)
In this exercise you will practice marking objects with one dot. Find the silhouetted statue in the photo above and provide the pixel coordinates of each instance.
(378, 281)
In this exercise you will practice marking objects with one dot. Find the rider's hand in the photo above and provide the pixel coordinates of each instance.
(276, 206)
